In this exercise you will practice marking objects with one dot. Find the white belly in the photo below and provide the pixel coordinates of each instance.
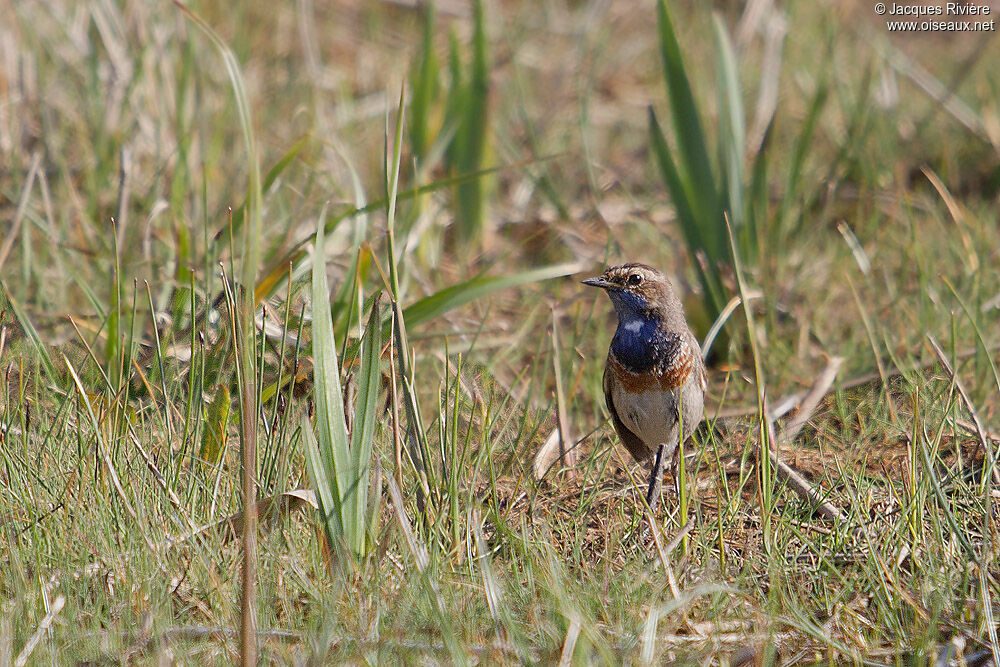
(651, 415)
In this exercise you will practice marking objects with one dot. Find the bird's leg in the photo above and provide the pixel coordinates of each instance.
(655, 481)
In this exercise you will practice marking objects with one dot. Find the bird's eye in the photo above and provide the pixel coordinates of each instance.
(635, 279)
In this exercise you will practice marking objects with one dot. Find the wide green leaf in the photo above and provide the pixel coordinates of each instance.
(452, 297)
(694, 231)
(424, 84)
(694, 164)
(366, 408)
(323, 482)
(331, 427)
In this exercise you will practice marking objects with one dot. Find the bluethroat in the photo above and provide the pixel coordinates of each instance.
(654, 378)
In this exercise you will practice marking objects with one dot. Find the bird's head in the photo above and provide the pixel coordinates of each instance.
(638, 290)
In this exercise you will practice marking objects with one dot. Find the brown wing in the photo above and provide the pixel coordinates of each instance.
(699, 362)
(635, 446)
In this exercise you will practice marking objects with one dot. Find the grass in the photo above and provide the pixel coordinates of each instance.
(869, 225)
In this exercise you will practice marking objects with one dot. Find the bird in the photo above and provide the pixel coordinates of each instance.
(654, 378)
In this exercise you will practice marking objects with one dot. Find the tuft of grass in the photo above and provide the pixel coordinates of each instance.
(699, 200)
(245, 335)
(461, 136)
(339, 459)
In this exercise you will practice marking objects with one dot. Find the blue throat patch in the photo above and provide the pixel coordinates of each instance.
(644, 348)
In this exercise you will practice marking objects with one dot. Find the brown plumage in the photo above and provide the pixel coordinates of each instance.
(654, 379)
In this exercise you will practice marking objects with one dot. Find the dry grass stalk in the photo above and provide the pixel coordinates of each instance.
(812, 398)
(12, 234)
(807, 406)
(984, 436)
(269, 509)
(546, 455)
(664, 552)
(43, 628)
(784, 405)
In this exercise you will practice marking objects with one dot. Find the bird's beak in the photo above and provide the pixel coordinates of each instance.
(596, 281)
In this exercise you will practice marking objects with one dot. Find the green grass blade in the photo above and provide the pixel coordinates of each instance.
(324, 483)
(246, 359)
(455, 296)
(475, 128)
(802, 146)
(694, 233)
(112, 349)
(31, 332)
(351, 292)
(679, 190)
(213, 438)
(694, 162)
(251, 249)
(757, 190)
(732, 126)
(424, 83)
(279, 267)
(366, 408)
(392, 164)
(455, 103)
(331, 427)
(239, 215)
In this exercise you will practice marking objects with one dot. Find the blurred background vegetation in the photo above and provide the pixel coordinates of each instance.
(858, 169)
